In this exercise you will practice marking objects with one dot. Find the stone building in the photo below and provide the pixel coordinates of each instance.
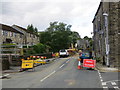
(29, 38)
(18, 35)
(83, 44)
(106, 30)
(10, 35)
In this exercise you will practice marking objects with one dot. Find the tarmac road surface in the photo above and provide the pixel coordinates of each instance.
(62, 73)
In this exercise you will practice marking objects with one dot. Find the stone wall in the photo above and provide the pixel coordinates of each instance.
(113, 33)
(113, 11)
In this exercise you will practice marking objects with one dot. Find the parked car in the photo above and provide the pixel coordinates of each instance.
(63, 52)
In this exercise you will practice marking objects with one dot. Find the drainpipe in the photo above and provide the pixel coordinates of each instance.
(106, 39)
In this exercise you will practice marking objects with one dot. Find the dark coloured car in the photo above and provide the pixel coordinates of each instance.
(85, 55)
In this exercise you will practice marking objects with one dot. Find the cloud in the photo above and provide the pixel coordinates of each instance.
(78, 13)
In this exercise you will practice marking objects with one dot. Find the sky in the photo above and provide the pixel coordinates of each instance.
(78, 13)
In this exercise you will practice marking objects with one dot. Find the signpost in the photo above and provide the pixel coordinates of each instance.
(89, 63)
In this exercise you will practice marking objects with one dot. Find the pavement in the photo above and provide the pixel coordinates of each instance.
(104, 68)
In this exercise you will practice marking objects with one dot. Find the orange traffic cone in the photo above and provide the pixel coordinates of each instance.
(79, 65)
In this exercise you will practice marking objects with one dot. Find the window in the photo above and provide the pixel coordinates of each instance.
(15, 34)
(5, 33)
(11, 34)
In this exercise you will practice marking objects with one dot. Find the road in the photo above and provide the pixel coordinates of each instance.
(62, 73)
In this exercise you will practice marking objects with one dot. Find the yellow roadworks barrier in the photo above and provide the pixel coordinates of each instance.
(27, 63)
(39, 61)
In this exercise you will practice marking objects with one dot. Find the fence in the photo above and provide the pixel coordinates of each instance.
(12, 55)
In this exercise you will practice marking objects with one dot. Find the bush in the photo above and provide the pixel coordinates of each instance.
(40, 48)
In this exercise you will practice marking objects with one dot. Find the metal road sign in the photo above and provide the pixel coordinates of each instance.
(89, 63)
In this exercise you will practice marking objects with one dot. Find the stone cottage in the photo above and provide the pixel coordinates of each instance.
(10, 35)
(29, 38)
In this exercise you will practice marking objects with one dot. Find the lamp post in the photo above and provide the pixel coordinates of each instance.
(106, 39)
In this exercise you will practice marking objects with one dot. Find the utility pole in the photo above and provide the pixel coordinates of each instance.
(106, 39)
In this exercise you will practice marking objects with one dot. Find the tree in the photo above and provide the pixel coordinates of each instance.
(32, 29)
(40, 48)
(45, 38)
(36, 30)
(57, 36)
(74, 37)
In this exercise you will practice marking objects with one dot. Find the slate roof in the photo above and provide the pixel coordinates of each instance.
(25, 30)
(8, 28)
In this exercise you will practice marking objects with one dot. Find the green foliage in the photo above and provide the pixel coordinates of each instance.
(40, 48)
(32, 29)
(8, 45)
(74, 37)
(36, 49)
(58, 36)
(36, 30)
(29, 52)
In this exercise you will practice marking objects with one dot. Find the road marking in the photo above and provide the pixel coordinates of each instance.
(113, 83)
(101, 80)
(67, 61)
(100, 75)
(47, 76)
(116, 87)
(61, 66)
(105, 87)
(4, 75)
(103, 83)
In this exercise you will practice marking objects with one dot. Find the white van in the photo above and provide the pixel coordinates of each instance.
(63, 52)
